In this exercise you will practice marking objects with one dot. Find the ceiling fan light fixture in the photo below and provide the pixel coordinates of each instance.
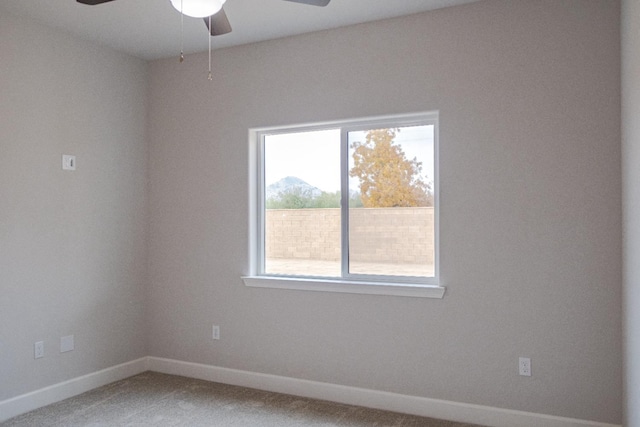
(198, 8)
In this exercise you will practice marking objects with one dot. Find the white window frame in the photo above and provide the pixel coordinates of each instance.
(426, 287)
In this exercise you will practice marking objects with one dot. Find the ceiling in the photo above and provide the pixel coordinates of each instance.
(150, 29)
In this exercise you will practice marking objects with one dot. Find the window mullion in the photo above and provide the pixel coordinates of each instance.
(344, 201)
(261, 204)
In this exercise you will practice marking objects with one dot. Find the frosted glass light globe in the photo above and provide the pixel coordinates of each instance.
(198, 8)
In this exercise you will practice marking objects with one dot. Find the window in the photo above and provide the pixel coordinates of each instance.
(346, 206)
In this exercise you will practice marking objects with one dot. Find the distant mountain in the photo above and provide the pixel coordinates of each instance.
(291, 184)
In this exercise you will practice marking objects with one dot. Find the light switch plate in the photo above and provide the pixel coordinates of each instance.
(68, 162)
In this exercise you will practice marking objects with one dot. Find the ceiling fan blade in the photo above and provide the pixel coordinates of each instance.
(219, 23)
(312, 2)
(93, 2)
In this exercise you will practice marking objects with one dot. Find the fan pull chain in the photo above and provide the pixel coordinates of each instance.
(181, 33)
(210, 76)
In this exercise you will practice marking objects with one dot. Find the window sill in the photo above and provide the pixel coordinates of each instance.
(346, 286)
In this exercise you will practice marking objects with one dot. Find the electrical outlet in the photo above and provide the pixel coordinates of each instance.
(38, 350)
(216, 332)
(66, 344)
(524, 365)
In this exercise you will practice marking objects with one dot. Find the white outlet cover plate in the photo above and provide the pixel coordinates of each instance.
(38, 350)
(524, 365)
(66, 344)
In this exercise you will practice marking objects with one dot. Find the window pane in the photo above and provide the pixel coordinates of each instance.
(302, 203)
(391, 206)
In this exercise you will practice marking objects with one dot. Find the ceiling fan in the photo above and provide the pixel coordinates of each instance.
(211, 10)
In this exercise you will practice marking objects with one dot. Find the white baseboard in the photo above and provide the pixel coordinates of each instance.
(422, 406)
(45, 396)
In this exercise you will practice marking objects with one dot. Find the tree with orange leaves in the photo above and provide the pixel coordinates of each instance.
(387, 177)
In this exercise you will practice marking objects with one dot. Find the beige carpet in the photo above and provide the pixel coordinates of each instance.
(153, 399)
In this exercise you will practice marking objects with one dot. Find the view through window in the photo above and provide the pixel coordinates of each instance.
(350, 202)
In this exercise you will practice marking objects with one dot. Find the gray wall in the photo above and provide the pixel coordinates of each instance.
(72, 244)
(528, 94)
(631, 204)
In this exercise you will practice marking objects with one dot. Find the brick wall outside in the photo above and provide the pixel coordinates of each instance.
(389, 235)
